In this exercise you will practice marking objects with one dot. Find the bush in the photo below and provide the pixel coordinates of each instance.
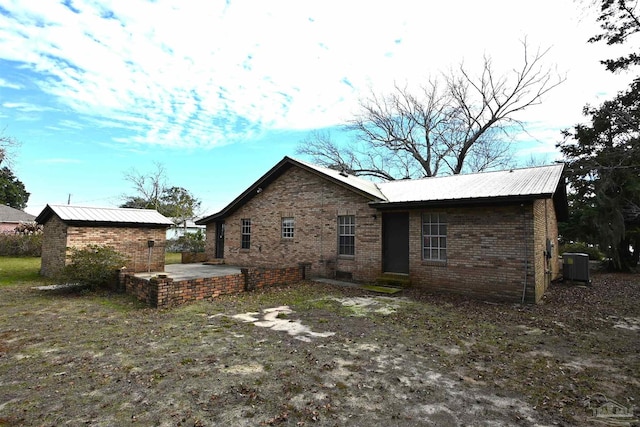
(190, 242)
(579, 247)
(93, 266)
(25, 240)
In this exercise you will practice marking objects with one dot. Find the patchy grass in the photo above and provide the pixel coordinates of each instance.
(172, 258)
(15, 270)
(101, 359)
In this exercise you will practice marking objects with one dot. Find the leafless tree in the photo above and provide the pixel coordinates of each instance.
(460, 121)
(149, 188)
(7, 145)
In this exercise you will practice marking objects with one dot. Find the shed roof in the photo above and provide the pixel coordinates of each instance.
(104, 216)
(13, 215)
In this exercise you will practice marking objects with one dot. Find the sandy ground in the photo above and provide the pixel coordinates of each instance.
(313, 354)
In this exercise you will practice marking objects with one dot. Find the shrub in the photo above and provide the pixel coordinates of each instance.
(93, 266)
(25, 240)
(190, 242)
(580, 247)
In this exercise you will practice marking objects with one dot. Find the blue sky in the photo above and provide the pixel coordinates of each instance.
(218, 92)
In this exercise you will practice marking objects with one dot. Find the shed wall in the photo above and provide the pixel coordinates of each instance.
(132, 242)
(54, 247)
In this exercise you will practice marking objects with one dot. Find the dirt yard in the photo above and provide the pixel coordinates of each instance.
(313, 354)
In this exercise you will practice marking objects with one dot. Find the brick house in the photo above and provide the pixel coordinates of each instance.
(140, 234)
(10, 218)
(490, 235)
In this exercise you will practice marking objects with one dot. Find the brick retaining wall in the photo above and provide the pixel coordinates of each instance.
(161, 292)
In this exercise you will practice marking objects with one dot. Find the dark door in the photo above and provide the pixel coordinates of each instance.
(220, 239)
(395, 242)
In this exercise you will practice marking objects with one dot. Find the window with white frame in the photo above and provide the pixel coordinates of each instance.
(434, 236)
(347, 235)
(288, 226)
(246, 233)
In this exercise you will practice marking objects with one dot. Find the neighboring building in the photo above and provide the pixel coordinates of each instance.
(140, 234)
(10, 218)
(178, 229)
(491, 235)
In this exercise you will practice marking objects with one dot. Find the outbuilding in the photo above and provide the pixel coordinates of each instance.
(10, 218)
(139, 234)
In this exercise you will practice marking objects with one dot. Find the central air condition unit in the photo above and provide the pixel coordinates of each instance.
(575, 267)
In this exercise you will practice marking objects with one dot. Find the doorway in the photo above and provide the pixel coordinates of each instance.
(395, 242)
(220, 239)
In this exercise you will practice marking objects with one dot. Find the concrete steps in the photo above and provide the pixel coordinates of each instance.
(396, 280)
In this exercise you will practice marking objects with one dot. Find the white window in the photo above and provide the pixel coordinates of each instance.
(347, 235)
(288, 226)
(434, 236)
(246, 233)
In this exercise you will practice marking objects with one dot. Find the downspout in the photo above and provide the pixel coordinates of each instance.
(526, 252)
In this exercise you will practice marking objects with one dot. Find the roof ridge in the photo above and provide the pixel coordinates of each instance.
(473, 173)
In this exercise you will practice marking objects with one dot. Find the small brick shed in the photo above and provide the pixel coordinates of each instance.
(140, 234)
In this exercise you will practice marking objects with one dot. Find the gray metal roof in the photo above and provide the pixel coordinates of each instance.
(528, 182)
(483, 187)
(85, 214)
(363, 185)
(9, 214)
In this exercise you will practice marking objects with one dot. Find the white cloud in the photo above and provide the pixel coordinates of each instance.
(198, 73)
(9, 85)
(25, 107)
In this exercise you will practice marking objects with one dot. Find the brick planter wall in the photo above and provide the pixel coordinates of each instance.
(162, 292)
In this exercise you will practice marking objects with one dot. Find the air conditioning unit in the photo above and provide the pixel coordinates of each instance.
(575, 267)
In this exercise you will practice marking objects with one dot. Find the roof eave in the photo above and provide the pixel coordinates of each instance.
(44, 216)
(415, 204)
(76, 223)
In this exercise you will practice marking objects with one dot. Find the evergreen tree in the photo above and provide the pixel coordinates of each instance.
(12, 190)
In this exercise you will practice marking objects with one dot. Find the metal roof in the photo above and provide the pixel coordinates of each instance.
(528, 182)
(363, 185)
(482, 187)
(359, 185)
(9, 214)
(114, 216)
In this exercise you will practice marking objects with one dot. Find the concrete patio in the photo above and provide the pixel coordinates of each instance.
(179, 272)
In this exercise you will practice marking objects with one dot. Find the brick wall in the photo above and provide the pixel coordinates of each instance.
(165, 292)
(494, 252)
(54, 247)
(491, 252)
(545, 227)
(315, 204)
(132, 242)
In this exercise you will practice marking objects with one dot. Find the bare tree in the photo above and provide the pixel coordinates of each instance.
(458, 122)
(149, 188)
(7, 145)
